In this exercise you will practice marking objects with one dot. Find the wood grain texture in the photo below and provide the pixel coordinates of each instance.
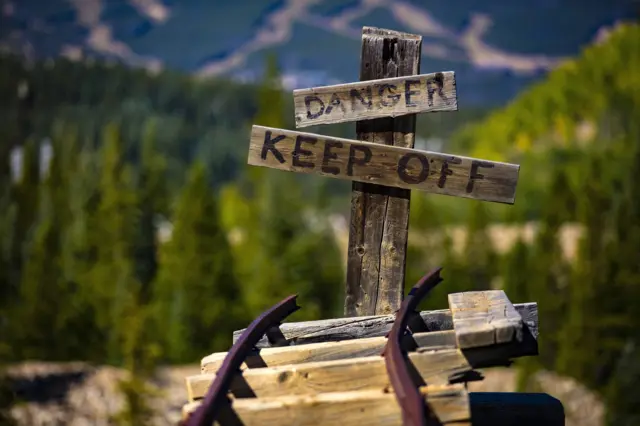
(486, 409)
(385, 165)
(478, 357)
(337, 329)
(374, 408)
(436, 367)
(365, 100)
(483, 318)
(328, 351)
(376, 258)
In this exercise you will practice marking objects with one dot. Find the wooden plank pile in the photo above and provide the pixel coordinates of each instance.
(333, 372)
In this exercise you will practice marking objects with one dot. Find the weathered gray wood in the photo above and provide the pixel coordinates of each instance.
(481, 357)
(365, 100)
(336, 329)
(328, 351)
(375, 408)
(376, 257)
(484, 318)
(391, 166)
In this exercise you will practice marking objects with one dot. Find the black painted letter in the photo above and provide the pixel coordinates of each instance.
(395, 97)
(298, 151)
(328, 155)
(446, 171)
(408, 92)
(439, 80)
(270, 145)
(334, 102)
(473, 173)
(404, 162)
(356, 94)
(307, 102)
(359, 161)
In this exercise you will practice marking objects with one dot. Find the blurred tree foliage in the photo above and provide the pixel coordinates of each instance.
(576, 136)
(147, 239)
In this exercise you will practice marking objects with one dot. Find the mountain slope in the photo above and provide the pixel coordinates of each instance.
(597, 92)
(497, 47)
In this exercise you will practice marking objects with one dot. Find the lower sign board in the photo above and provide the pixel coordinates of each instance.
(383, 164)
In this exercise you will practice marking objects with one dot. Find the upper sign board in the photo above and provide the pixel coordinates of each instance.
(389, 97)
(383, 164)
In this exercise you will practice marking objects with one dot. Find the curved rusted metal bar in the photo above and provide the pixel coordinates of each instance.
(207, 412)
(414, 410)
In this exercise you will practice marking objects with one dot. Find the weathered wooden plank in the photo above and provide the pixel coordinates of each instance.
(337, 329)
(373, 408)
(383, 164)
(376, 257)
(328, 351)
(479, 357)
(436, 367)
(387, 97)
(483, 318)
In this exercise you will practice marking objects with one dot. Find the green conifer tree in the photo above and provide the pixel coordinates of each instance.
(285, 246)
(547, 281)
(26, 195)
(196, 292)
(152, 206)
(478, 257)
(114, 285)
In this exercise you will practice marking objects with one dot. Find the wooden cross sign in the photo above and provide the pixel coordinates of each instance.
(382, 162)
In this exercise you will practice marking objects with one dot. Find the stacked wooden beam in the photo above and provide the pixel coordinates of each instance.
(331, 372)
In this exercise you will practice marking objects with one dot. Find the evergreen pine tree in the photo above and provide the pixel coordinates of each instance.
(478, 256)
(284, 246)
(8, 291)
(42, 301)
(152, 202)
(26, 195)
(547, 281)
(428, 247)
(516, 272)
(113, 282)
(196, 291)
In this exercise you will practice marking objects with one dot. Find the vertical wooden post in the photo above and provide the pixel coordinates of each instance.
(379, 214)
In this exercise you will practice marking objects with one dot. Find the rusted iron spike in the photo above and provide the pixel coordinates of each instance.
(207, 412)
(414, 410)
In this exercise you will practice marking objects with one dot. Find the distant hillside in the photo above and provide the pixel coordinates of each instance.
(497, 47)
(588, 97)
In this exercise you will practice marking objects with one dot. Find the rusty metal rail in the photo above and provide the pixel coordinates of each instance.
(216, 396)
(414, 410)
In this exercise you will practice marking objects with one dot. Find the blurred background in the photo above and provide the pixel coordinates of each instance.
(134, 238)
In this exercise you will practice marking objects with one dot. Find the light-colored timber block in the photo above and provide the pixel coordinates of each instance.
(484, 318)
(328, 351)
(370, 407)
(436, 367)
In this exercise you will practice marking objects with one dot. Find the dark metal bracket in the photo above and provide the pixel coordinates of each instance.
(216, 397)
(414, 410)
